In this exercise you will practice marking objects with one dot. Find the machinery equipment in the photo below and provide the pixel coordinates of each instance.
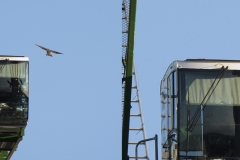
(129, 71)
(200, 107)
(14, 102)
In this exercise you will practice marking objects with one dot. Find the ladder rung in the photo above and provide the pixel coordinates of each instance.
(132, 100)
(135, 115)
(132, 87)
(136, 143)
(139, 157)
(136, 129)
(124, 31)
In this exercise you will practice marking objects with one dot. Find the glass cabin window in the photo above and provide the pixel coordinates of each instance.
(169, 102)
(14, 93)
(217, 131)
(175, 99)
(172, 96)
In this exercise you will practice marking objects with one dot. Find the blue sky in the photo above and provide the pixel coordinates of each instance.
(75, 98)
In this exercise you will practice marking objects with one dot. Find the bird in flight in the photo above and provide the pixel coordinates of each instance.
(48, 51)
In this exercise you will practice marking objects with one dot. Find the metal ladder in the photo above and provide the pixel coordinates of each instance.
(136, 102)
(136, 105)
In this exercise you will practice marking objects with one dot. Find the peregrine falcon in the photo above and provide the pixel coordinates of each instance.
(48, 51)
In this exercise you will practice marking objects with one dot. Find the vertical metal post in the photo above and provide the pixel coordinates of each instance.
(156, 147)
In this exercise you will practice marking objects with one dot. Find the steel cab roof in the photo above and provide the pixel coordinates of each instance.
(13, 58)
(200, 64)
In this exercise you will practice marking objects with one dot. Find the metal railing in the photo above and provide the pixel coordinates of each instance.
(155, 138)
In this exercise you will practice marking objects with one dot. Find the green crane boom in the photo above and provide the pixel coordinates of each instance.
(127, 77)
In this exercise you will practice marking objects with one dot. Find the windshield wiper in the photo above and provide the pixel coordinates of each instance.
(192, 123)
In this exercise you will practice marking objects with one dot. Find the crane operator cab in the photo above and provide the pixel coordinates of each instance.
(200, 110)
(14, 90)
(14, 98)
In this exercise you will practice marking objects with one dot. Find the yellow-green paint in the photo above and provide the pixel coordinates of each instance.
(128, 78)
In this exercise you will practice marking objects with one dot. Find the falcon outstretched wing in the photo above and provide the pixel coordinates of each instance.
(42, 47)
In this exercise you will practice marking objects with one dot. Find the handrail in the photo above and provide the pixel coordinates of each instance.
(149, 139)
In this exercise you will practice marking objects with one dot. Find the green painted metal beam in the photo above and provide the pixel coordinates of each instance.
(6, 154)
(128, 79)
(3, 155)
